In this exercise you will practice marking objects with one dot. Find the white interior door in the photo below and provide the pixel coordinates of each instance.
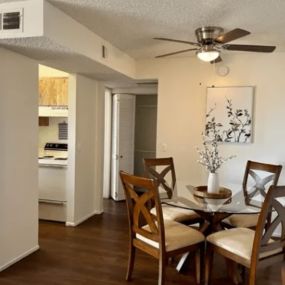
(123, 129)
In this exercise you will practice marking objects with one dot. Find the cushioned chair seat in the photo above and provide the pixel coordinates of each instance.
(176, 214)
(238, 241)
(176, 236)
(242, 220)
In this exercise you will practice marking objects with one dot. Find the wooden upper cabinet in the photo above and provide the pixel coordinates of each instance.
(53, 91)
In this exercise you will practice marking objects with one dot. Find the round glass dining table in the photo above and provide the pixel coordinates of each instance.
(213, 211)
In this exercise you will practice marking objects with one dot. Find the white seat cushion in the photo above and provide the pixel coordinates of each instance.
(176, 214)
(242, 220)
(238, 241)
(176, 236)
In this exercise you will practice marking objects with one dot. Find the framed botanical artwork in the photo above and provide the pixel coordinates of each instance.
(229, 114)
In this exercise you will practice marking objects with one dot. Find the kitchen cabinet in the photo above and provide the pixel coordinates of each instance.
(53, 91)
(53, 97)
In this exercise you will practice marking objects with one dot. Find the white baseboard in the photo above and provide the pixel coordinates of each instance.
(18, 258)
(75, 224)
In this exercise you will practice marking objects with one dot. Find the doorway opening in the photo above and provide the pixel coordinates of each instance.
(53, 144)
(131, 117)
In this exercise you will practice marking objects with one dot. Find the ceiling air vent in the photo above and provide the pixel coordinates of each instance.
(11, 20)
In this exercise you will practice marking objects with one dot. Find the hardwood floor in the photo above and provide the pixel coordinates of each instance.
(96, 253)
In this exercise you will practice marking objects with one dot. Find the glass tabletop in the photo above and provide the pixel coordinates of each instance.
(236, 204)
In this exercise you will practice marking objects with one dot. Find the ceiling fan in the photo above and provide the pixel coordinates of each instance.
(212, 40)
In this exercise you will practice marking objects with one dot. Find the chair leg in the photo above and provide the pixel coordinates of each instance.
(283, 274)
(182, 262)
(161, 270)
(252, 275)
(243, 273)
(198, 260)
(209, 264)
(233, 271)
(132, 253)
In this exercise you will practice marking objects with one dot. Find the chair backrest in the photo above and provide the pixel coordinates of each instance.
(263, 176)
(159, 169)
(141, 220)
(274, 204)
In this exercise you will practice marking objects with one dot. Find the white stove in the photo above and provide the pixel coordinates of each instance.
(55, 154)
(52, 182)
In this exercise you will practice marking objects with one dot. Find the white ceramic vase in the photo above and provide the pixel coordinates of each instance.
(213, 183)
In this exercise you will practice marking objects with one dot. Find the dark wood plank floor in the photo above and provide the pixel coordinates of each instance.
(96, 253)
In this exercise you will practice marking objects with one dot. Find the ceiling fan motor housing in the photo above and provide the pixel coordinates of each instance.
(207, 35)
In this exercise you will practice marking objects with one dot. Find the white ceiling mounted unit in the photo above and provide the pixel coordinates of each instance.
(11, 21)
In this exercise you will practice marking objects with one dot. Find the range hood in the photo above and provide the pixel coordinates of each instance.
(53, 111)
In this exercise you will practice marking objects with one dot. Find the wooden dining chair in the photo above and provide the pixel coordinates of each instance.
(252, 248)
(163, 171)
(263, 176)
(150, 233)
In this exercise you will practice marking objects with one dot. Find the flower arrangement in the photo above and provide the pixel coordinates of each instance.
(209, 155)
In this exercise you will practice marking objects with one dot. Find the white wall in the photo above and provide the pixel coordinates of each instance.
(50, 133)
(65, 31)
(182, 107)
(19, 150)
(46, 71)
(86, 136)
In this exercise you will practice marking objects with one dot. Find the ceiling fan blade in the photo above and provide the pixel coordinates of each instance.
(231, 35)
(219, 59)
(176, 52)
(252, 48)
(176, 41)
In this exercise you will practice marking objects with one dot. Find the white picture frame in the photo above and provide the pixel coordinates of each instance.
(229, 114)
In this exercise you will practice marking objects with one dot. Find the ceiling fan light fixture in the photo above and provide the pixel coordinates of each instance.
(208, 54)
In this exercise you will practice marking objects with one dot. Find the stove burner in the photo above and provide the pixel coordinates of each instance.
(56, 146)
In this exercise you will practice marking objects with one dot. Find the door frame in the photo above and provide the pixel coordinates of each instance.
(146, 89)
(107, 144)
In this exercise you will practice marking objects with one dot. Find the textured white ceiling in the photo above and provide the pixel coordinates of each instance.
(48, 52)
(131, 24)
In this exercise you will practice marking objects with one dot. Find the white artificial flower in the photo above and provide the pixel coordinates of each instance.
(209, 155)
